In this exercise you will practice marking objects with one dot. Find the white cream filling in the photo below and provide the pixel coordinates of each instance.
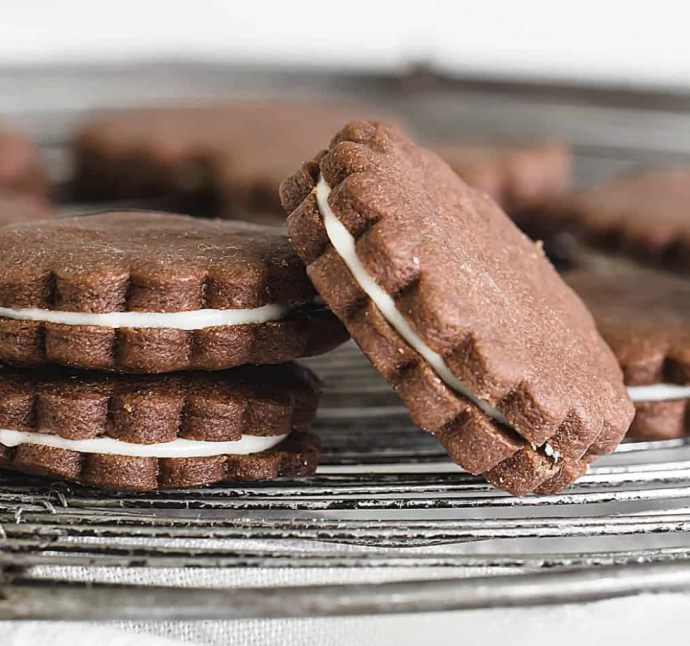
(194, 320)
(179, 448)
(551, 452)
(658, 392)
(344, 244)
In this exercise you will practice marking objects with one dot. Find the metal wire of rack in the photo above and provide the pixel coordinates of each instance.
(386, 498)
(389, 489)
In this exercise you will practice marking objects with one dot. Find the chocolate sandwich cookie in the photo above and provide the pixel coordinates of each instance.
(159, 431)
(644, 316)
(20, 207)
(20, 166)
(518, 177)
(643, 214)
(229, 159)
(464, 316)
(146, 292)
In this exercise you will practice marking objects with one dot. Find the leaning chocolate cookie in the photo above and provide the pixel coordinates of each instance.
(146, 292)
(644, 316)
(484, 343)
(159, 431)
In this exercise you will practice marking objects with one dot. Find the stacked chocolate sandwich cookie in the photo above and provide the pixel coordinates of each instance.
(158, 431)
(97, 298)
(461, 312)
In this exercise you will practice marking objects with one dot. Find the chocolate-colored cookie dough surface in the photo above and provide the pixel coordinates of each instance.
(148, 409)
(155, 263)
(547, 391)
(644, 214)
(518, 177)
(644, 316)
(234, 156)
(16, 208)
(21, 170)
(220, 407)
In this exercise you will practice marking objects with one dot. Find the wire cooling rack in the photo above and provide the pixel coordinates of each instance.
(385, 499)
(387, 491)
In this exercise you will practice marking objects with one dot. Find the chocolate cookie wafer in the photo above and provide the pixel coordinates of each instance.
(19, 207)
(159, 431)
(642, 214)
(644, 316)
(519, 177)
(21, 170)
(229, 159)
(484, 343)
(145, 293)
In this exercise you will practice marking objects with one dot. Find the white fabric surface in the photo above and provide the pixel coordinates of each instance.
(74, 634)
(638, 618)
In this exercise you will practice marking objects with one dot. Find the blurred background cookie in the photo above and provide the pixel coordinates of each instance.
(643, 214)
(21, 169)
(16, 208)
(519, 177)
(644, 316)
(223, 161)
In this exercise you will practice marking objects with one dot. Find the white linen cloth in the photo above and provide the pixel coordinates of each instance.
(640, 618)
